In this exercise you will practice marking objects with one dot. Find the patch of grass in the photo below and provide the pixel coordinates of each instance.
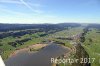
(93, 47)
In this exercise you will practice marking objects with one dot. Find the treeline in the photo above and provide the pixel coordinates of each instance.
(14, 27)
(82, 37)
(17, 30)
(17, 34)
(94, 26)
(87, 29)
(19, 42)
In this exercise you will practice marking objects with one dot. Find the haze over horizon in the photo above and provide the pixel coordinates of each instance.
(49, 11)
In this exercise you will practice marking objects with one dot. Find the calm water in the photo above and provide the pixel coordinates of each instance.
(41, 58)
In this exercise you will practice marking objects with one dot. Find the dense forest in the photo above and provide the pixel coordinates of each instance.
(9, 27)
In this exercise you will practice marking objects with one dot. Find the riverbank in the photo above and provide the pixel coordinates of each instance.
(27, 49)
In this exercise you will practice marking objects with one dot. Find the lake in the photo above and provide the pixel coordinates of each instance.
(40, 58)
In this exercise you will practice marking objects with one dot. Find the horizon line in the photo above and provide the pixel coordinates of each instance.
(53, 23)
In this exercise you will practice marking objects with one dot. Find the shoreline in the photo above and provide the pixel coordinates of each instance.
(34, 46)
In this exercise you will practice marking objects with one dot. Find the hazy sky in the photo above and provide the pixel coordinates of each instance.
(49, 11)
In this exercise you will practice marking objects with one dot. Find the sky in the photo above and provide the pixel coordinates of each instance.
(49, 11)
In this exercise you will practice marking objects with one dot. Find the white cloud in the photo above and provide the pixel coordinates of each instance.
(11, 1)
(34, 10)
(35, 7)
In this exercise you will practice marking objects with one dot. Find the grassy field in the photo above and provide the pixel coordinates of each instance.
(92, 45)
(65, 34)
(8, 49)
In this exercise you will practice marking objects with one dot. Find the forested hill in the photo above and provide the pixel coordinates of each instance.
(94, 26)
(11, 27)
